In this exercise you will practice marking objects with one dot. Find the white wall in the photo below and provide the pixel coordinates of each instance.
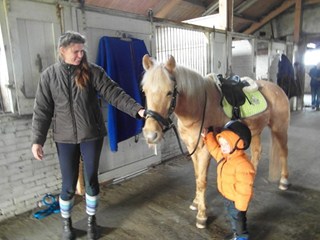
(242, 58)
(307, 80)
(262, 60)
(262, 67)
(24, 181)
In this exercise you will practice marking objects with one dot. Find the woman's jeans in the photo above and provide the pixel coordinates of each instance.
(237, 218)
(69, 158)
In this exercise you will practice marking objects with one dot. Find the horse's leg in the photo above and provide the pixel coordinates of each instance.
(201, 163)
(279, 155)
(255, 149)
(194, 205)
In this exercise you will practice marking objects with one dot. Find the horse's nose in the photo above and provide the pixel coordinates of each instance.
(150, 136)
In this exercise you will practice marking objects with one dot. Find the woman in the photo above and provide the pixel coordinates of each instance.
(67, 97)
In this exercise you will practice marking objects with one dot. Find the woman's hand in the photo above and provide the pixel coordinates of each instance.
(37, 151)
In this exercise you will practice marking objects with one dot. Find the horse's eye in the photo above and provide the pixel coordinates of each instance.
(169, 93)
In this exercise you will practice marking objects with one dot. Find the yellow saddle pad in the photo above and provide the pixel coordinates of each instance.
(256, 105)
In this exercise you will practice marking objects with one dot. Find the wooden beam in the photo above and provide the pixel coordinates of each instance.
(211, 9)
(226, 14)
(308, 2)
(254, 27)
(196, 3)
(167, 8)
(287, 4)
(297, 22)
(244, 18)
(244, 5)
(230, 14)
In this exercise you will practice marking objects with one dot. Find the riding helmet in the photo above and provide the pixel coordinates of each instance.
(241, 130)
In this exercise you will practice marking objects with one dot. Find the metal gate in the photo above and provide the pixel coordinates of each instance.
(189, 47)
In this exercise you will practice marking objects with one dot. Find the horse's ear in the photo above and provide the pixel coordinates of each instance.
(171, 64)
(147, 62)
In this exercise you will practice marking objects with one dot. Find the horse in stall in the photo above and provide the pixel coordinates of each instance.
(196, 102)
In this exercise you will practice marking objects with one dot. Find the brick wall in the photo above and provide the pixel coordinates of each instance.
(24, 180)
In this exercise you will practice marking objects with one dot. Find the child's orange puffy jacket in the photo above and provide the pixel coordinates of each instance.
(235, 173)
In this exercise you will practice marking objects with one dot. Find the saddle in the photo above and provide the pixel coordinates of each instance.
(232, 91)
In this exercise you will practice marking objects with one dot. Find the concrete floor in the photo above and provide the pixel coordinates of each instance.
(155, 205)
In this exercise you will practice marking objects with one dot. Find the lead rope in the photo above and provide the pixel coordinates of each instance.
(202, 122)
(52, 204)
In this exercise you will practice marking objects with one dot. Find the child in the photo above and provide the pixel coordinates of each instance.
(235, 173)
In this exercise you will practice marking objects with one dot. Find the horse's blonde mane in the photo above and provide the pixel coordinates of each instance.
(155, 78)
(189, 82)
(193, 85)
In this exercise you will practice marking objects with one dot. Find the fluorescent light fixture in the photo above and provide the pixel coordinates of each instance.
(311, 45)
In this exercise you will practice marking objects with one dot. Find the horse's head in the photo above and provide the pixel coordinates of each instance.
(160, 90)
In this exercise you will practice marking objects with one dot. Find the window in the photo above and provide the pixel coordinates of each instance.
(312, 57)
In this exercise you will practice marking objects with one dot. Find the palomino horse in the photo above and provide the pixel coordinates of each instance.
(195, 101)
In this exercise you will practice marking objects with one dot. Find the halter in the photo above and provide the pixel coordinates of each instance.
(166, 123)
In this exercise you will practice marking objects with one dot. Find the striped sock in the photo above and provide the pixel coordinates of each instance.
(66, 207)
(91, 204)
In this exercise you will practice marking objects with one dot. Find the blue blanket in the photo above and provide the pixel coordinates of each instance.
(122, 60)
(285, 77)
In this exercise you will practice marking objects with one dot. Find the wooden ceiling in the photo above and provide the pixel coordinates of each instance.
(249, 15)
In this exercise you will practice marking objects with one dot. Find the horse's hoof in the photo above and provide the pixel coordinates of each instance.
(193, 206)
(283, 187)
(201, 223)
(284, 184)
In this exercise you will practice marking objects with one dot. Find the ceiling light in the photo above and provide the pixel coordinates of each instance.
(311, 45)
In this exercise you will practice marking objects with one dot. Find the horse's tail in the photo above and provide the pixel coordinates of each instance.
(274, 161)
(278, 154)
